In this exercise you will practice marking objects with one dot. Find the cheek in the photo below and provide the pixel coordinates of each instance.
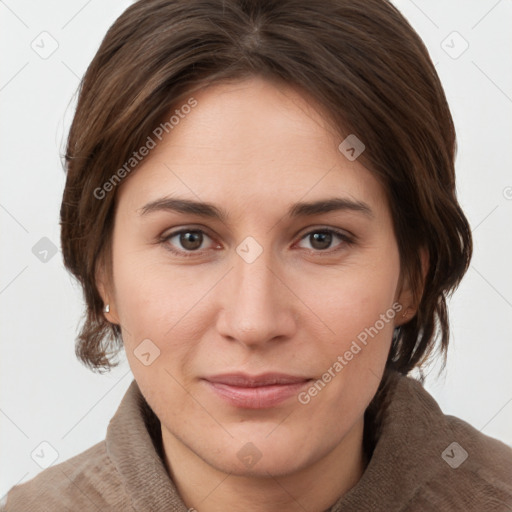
(349, 300)
(162, 304)
(150, 294)
(354, 357)
(354, 336)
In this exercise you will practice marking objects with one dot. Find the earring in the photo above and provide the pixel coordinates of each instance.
(106, 309)
(405, 313)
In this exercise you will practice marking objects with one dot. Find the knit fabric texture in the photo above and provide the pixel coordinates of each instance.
(423, 460)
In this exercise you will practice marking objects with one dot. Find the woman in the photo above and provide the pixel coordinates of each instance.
(260, 207)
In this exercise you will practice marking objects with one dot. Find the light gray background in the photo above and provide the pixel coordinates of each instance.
(47, 396)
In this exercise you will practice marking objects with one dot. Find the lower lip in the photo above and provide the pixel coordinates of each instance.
(261, 397)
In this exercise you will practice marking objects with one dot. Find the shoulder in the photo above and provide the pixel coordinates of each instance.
(87, 481)
(472, 472)
(482, 459)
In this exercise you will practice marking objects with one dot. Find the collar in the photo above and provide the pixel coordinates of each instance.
(407, 457)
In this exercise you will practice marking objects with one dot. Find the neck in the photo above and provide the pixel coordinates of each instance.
(314, 488)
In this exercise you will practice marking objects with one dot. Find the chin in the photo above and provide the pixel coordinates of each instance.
(251, 453)
(270, 461)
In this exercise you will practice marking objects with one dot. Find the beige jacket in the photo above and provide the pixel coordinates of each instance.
(424, 461)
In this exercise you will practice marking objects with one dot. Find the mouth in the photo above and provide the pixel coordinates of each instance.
(256, 391)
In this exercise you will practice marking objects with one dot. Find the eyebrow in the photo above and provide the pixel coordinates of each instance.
(301, 209)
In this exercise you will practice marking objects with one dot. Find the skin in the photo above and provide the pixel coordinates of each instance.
(254, 148)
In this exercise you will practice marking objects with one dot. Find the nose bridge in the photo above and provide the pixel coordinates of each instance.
(256, 286)
(257, 309)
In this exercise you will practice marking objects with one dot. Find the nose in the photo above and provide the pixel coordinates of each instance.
(257, 303)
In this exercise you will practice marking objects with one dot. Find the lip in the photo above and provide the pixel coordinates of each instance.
(256, 391)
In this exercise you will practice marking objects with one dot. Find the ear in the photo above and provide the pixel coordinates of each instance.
(105, 288)
(406, 294)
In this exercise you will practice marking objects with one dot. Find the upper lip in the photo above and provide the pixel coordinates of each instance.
(253, 381)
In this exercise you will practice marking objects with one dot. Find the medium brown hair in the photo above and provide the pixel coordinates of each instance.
(358, 59)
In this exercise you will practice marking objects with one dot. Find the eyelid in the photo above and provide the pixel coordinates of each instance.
(318, 228)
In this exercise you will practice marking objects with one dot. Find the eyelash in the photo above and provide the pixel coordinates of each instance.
(188, 254)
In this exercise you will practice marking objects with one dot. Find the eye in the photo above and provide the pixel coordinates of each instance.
(189, 241)
(321, 239)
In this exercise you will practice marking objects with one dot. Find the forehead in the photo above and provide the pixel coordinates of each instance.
(250, 142)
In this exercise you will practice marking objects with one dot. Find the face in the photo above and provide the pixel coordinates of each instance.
(256, 328)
